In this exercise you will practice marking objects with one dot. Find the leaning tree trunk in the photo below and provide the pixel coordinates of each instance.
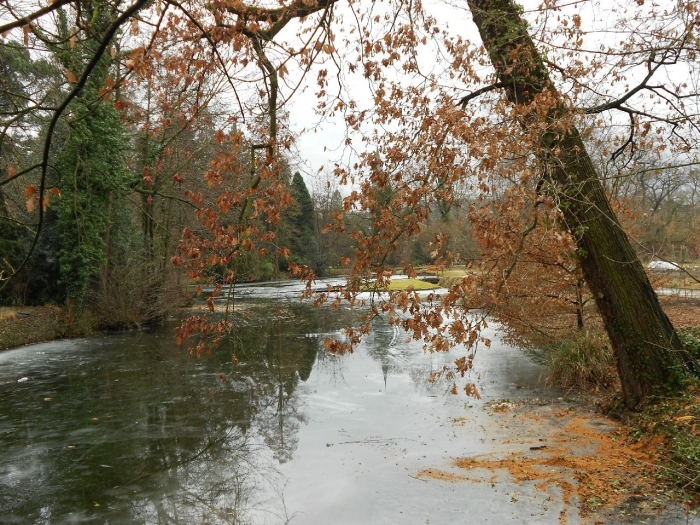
(650, 357)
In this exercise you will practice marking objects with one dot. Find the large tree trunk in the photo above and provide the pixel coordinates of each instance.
(650, 357)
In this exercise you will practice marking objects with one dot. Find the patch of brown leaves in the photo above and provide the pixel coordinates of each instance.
(682, 311)
(440, 475)
(588, 458)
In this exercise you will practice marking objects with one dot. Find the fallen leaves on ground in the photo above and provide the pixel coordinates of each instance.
(588, 458)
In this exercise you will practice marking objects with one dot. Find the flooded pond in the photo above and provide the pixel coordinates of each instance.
(130, 428)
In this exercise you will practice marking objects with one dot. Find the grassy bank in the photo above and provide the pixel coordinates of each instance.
(27, 325)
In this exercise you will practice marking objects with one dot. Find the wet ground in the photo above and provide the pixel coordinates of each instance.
(132, 429)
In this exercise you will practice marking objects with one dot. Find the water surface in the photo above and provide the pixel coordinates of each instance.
(131, 428)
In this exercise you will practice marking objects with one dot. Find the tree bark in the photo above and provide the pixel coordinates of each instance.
(650, 358)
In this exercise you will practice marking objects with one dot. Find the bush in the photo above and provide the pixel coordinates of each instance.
(132, 296)
(582, 361)
(690, 339)
(674, 422)
(266, 271)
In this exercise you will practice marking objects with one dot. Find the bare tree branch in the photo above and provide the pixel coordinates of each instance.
(25, 20)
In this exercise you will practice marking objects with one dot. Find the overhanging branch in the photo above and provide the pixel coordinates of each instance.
(26, 20)
(465, 99)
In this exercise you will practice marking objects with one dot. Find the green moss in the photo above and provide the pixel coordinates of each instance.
(403, 284)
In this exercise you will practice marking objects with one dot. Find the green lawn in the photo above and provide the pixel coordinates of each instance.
(403, 284)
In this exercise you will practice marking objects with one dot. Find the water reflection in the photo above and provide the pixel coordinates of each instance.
(131, 429)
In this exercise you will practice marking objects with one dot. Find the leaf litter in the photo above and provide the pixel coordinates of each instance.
(588, 459)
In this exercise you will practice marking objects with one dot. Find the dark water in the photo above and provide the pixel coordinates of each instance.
(130, 428)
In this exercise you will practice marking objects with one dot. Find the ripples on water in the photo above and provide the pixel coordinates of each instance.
(130, 428)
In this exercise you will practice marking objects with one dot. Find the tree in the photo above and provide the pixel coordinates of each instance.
(89, 157)
(302, 219)
(650, 357)
(77, 155)
(25, 82)
(661, 201)
(333, 243)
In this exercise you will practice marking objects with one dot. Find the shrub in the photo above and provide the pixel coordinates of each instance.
(674, 422)
(581, 361)
(266, 271)
(690, 338)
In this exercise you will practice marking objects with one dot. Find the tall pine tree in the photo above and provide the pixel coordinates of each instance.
(302, 221)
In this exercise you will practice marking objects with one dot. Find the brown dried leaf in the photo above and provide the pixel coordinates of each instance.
(70, 76)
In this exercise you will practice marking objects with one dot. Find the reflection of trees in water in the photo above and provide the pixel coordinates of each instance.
(308, 327)
(277, 352)
(159, 437)
(223, 483)
(383, 345)
(331, 366)
(387, 345)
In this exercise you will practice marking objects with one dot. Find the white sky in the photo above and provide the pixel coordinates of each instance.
(324, 143)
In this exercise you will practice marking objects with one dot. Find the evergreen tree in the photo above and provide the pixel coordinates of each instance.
(302, 221)
(23, 81)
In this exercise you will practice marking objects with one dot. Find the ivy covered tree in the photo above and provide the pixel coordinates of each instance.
(89, 155)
